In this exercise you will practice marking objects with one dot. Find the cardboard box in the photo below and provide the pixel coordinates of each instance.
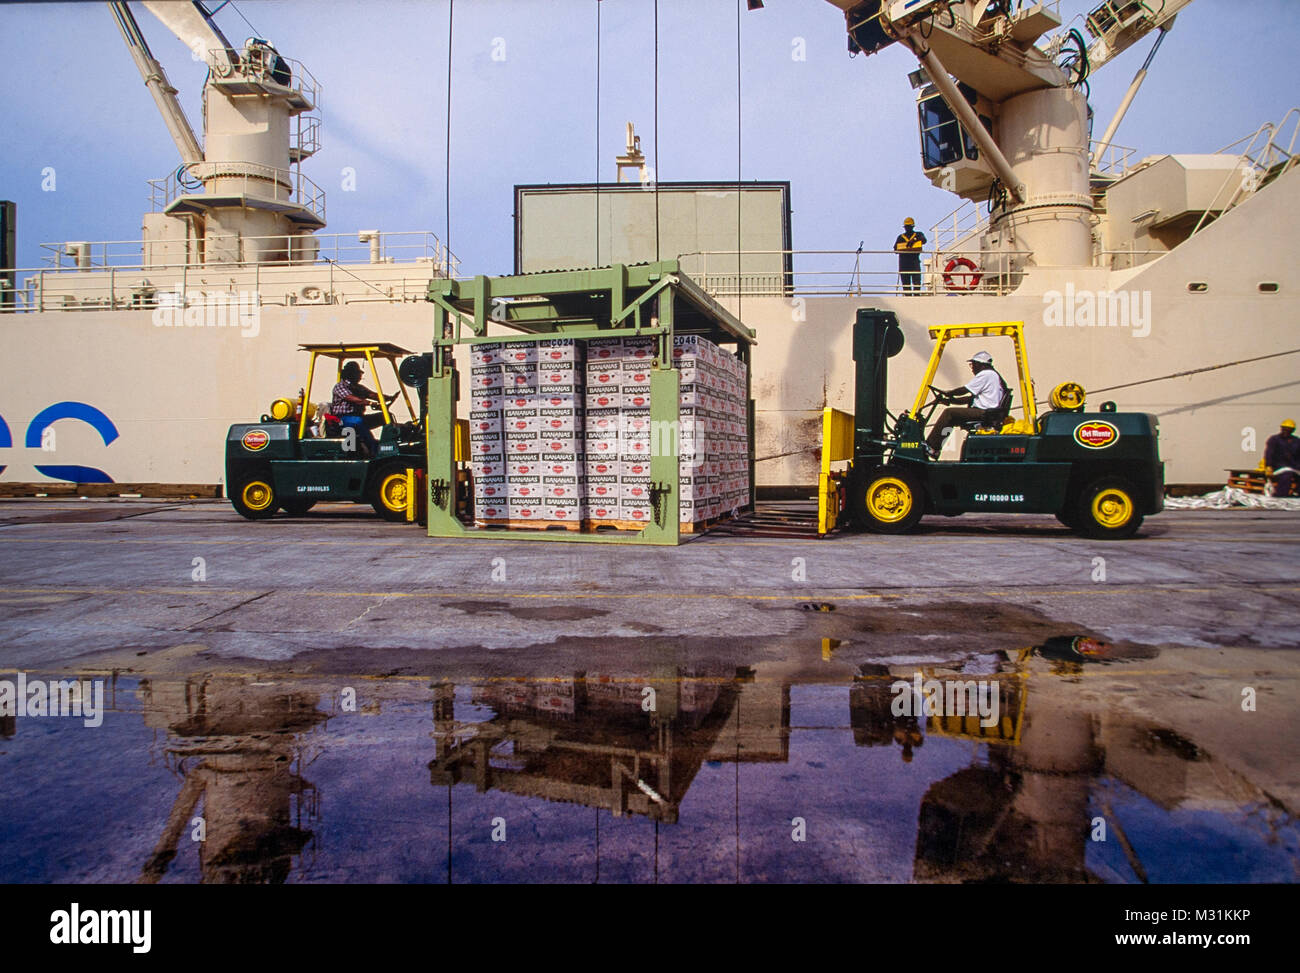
(524, 508)
(561, 443)
(563, 509)
(559, 349)
(525, 465)
(519, 352)
(485, 353)
(601, 487)
(604, 398)
(485, 377)
(489, 488)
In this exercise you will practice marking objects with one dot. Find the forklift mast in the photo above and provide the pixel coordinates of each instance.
(876, 338)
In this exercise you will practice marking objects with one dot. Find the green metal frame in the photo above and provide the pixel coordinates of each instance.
(604, 302)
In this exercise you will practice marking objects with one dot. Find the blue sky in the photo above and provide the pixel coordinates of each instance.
(842, 130)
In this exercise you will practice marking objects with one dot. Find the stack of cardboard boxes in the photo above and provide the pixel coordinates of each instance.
(560, 430)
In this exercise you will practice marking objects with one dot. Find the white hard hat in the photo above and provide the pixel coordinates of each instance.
(983, 357)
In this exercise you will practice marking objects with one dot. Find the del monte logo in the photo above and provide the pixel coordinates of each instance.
(1095, 434)
(255, 439)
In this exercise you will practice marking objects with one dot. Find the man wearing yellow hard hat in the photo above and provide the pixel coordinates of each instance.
(908, 246)
(1282, 456)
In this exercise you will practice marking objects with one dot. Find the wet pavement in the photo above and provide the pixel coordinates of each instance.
(334, 699)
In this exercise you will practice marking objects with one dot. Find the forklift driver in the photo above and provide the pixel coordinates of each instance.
(349, 402)
(985, 393)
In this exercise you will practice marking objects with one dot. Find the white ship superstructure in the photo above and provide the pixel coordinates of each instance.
(1167, 283)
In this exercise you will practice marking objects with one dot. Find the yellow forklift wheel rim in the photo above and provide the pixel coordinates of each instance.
(392, 492)
(1112, 507)
(889, 499)
(258, 495)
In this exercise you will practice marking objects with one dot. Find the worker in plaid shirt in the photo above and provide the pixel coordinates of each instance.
(349, 401)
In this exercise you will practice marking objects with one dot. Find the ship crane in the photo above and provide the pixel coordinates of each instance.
(239, 196)
(1006, 120)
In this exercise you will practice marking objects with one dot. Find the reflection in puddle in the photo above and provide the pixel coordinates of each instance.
(776, 772)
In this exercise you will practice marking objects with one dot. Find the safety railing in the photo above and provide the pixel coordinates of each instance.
(850, 273)
(956, 230)
(1261, 158)
(267, 68)
(247, 179)
(386, 247)
(1112, 160)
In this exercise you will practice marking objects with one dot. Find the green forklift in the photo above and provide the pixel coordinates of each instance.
(299, 454)
(1099, 472)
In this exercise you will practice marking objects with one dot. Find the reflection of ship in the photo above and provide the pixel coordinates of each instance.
(588, 739)
(234, 744)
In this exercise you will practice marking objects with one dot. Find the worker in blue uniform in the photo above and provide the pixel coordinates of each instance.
(908, 246)
(1282, 456)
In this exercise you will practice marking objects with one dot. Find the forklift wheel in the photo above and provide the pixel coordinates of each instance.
(388, 492)
(891, 501)
(254, 496)
(297, 507)
(1106, 510)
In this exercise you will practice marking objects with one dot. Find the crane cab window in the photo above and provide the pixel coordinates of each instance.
(943, 140)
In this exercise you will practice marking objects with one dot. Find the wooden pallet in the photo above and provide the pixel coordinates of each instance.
(568, 525)
(162, 490)
(1252, 481)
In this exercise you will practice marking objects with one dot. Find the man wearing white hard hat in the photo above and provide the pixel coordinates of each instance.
(986, 393)
(1282, 456)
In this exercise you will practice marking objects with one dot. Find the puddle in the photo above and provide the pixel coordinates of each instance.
(1018, 770)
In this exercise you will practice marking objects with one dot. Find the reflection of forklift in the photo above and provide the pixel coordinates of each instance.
(300, 454)
(1099, 472)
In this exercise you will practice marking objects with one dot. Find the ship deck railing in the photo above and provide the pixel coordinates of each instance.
(99, 276)
(851, 273)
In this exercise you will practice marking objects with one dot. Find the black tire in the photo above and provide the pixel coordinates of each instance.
(889, 500)
(387, 491)
(1107, 509)
(253, 495)
(297, 507)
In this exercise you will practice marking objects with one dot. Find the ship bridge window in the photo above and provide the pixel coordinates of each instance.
(1268, 287)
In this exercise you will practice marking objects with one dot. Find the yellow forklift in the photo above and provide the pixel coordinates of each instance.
(1099, 472)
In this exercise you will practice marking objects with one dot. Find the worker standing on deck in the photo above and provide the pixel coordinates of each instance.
(349, 401)
(908, 246)
(984, 392)
(1282, 456)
